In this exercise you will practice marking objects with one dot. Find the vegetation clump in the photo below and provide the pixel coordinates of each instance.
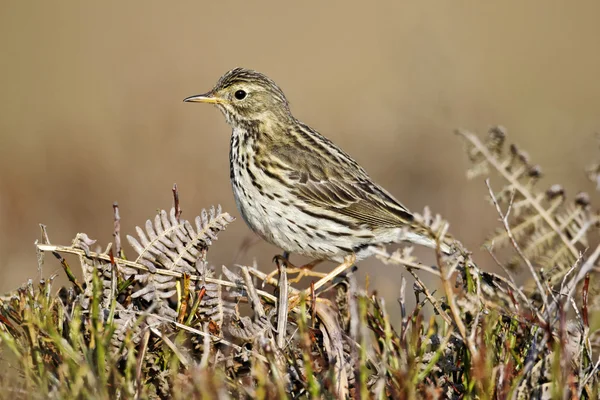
(166, 324)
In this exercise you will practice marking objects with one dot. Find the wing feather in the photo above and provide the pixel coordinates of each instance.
(363, 202)
(323, 176)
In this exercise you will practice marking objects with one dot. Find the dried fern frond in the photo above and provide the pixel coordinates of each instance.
(215, 304)
(101, 268)
(550, 230)
(171, 261)
(173, 244)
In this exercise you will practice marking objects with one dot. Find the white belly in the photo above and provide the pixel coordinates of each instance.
(288, 227)
(283, 226)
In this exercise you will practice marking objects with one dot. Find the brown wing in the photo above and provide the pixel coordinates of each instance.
(362, 201)
(323, 176)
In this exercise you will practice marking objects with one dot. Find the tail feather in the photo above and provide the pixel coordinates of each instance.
(426, 239)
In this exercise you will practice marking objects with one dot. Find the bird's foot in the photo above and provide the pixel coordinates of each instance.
(346, 264)
(282, 261)
(302, 273)
(310, 293)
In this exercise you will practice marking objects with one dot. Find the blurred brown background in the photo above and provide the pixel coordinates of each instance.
(92, 106)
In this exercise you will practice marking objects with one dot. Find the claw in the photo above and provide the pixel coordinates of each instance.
(280, 260)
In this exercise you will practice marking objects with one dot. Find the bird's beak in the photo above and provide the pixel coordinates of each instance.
(204, 98)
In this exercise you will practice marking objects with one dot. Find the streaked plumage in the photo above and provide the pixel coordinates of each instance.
(293, 186)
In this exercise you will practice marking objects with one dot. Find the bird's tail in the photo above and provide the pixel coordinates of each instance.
(425, 237)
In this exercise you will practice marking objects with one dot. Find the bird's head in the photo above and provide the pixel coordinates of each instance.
(245, 95)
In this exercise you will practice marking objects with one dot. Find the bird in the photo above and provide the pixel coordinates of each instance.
(297, 189)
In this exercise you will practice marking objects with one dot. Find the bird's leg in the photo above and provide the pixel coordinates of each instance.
(346, 264)
(305, 270)
(302, 271)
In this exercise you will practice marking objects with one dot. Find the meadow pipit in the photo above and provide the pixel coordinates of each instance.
(295, 188)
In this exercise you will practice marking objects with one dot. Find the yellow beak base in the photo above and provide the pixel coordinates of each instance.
(204, 98)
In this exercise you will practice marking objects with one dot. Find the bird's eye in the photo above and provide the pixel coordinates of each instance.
(240, 95)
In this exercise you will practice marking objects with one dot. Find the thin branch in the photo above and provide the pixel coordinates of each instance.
(395, 259)
(140, 363)
(564, 284)
(504, 220)
(117, 229)
(402, 302)
(68, 271)
(282, 306)
(206, 349)
(270, 280)
(44, 232)
(330, 322)
(252, 294)
(182, 358)
(585, 269)
(430, 297)
(178, 210)
(584, 307)
(184, 298)
(590, 375)
(512, 284)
